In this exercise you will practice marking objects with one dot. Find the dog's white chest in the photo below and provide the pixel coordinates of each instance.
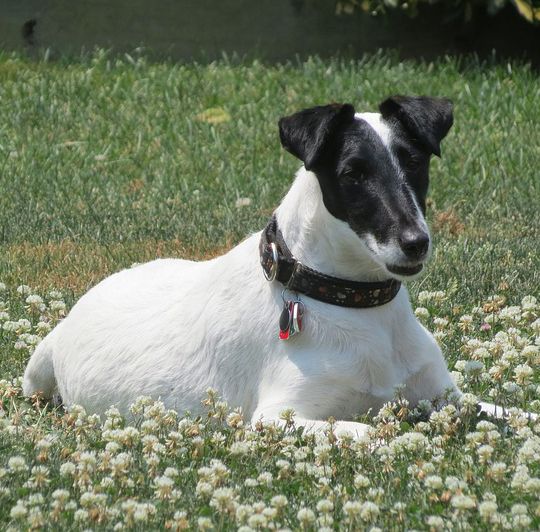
(346, 361)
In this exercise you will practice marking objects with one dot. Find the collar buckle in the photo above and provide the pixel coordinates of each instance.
(270, 269)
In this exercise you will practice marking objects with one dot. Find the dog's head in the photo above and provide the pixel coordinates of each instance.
(373, 170)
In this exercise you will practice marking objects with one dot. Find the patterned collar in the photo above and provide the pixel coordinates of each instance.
(279, 264)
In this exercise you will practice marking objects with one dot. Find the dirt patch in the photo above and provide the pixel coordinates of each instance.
(448, 222)
(75, 266)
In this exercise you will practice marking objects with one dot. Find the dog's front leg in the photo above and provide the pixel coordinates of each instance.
(499, 412)
(282, 418)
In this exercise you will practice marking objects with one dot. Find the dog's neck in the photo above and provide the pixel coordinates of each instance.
(319, 240)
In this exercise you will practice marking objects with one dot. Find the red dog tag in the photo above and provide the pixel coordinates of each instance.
(285, 321)
(291, 319)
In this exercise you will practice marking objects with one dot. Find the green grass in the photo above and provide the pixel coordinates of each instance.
(105, 162)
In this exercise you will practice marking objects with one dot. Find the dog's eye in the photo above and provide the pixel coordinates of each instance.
(409, 160)
(352, 177)
(353, 172)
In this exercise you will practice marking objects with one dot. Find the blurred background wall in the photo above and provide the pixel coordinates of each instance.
(274, 30)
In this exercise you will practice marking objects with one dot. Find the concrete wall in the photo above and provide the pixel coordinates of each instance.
(271, 29)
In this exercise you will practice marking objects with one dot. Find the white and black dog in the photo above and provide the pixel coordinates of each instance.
(349, 230)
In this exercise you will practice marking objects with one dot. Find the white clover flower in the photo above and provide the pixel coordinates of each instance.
(206, 473)
(279, 501)
(361, 481)
(81, 515)
(435, 522)
(60, 495)
(530, 450)
(510, 314)
(440, 323)
(143, 511)
(457, 377)
(469, 402)
(511, 388)
(352, 509)
(462, 502)
(497, 471)
(24, 325)
(259, 506)
(270, 513)
(523, 373)
(487, 509)
(257, 521)
(521, 521)
(57, 305)
(223, 499)
(171, 472)
(519, 509)
(204, 489)
(239, 448)
(2, 287)
(4, 316)
(113, 447)
(473, 367)
(531, 353)
(369, 511)
(67, 468)
(421, 313)
(484, 453)
(34, 300)
(305, 516)
(466, 319)
(325, 522)
(265, 478)
(481, 353)
(163, 487)
(36, 499)
(18, 511)
(149, 426)
(54, 294)
(433, 482)
(106, 482)
(454, 483)
(439, 336)
(325, 506)
(24, 290)
(242, 512)
(31, 339)
(35, 518)
(425, 296)
(17, 464)
(485, 426)
(520, 478)
(529, 303)
(532, 485)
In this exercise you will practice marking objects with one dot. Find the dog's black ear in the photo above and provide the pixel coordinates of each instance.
(427, 119)
(305, 134)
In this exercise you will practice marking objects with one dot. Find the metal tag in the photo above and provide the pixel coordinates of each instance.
(291, 319)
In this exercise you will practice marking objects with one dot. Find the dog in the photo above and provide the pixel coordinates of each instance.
(328, 330)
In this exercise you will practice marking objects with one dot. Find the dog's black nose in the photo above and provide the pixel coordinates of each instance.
(415, 245)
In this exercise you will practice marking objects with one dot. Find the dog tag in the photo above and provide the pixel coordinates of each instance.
(297, 316)
(285, 320)
(291, 319)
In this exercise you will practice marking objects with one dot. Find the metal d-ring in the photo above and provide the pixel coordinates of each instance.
(272, 273)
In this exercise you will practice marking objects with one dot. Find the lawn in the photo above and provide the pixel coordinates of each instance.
(109, 161)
